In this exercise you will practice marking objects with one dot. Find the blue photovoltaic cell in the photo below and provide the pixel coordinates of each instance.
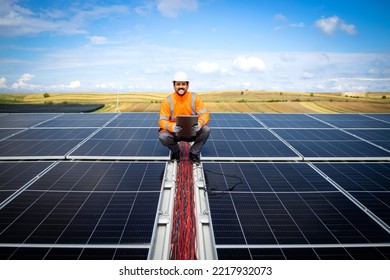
(376, 202)
(13, 175)
(380, 137)
(245, 143)
(290, 121)
(351, 121)
(383, 117)
(314, 135)
(13, 253)
(90, 209)
(228, 120)
(5, 133)
(289, 204)
(266, 177)
(333, 253)
(277, 211)
(366, 177)
(367, 182)
(42, 143)
(78, 120)
(24, 120)
(123, 142)
(291, 218)
(135, 120)
(330, 143)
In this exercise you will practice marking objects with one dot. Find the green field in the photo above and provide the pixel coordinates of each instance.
(222, 101)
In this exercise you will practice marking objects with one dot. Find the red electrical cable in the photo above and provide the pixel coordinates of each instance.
(183, 237)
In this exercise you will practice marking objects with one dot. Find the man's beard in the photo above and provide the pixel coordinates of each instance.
(181, 91)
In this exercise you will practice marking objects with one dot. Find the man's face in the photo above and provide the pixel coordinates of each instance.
(180, 87)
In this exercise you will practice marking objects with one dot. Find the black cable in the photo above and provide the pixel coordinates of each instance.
(214, 192)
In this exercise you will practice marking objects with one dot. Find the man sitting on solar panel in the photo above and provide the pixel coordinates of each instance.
(183, 117)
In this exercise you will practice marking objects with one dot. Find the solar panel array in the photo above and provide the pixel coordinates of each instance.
(305, 186)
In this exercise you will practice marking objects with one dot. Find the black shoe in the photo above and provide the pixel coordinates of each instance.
(194, 158)
(175, 156)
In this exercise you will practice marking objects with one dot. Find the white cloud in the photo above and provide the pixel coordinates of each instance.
(297, 25)
(327, 25)
(172, 8)
(98, 40)
(21, 82)
(3, 82)
(331, 24)
(206, 67)
(307, 75)
(16, 20)
(249, 64)
(280, 17)
(74, 84)
(349, 28)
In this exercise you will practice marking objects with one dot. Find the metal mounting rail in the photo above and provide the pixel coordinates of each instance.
(160, 247)
(205, 238)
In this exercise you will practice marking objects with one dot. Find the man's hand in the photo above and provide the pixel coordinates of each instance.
(176, 128)
(196, 127)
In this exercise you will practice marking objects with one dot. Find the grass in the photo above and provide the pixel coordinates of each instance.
(222, 101)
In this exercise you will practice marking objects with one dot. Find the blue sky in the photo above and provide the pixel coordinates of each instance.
(121, 46)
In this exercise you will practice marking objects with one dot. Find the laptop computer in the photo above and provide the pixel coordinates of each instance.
(186, 122)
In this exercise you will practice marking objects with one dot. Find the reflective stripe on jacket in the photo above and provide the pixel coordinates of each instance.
(174, 105)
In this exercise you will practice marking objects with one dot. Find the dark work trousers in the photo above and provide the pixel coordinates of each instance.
(170, 140)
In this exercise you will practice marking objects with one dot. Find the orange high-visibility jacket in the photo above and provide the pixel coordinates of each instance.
(174, 105)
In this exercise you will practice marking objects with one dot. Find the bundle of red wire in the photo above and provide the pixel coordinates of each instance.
(183, 237)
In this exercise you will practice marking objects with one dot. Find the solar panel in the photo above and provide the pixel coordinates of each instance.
(380, 137)
(228, 120)
(84, 206)
(5, 133)
(245, 144)
(278, 212)
(383, 117)
(42, 143)
(290, 121)
(24, 120)
(135, 120)
(21, 253)
(369, 183)
(124, 143)
(14, 175)
(335, 253)
(330, 144)
(96, 189)
(78, 120)
(351, 121)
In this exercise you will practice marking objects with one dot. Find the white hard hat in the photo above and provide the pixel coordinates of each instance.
(180, 77)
